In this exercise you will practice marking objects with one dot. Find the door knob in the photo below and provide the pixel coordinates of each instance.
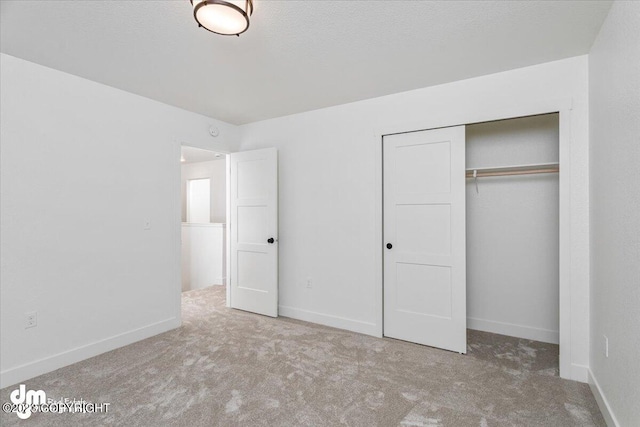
(270, 240)
(389, 245)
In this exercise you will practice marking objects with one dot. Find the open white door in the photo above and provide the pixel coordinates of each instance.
(424, 238)
(253, 199)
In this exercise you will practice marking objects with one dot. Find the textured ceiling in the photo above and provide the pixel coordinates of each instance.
(297, 55)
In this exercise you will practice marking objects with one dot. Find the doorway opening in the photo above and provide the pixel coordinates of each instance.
(512, 219)
(229, 228)
(203, 183)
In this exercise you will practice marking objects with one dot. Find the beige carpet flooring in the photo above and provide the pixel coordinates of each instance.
(229, 368)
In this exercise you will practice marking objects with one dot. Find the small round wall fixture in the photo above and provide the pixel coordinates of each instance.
(227, 18)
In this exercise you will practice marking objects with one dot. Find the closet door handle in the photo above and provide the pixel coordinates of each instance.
(389, 245)
(270, 240)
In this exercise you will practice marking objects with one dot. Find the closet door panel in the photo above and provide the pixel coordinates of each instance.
(424, 231)
(424, 228)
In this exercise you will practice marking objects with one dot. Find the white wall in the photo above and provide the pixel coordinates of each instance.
(83, 166)
(329, 189)
(614, 85)
(202, 255)
(215, 170)
(513, 230)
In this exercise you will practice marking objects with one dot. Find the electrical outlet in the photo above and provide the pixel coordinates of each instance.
(606, 346)
(30, 319)
(309, 283)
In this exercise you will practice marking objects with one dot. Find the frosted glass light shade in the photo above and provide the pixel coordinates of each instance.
(229, 18)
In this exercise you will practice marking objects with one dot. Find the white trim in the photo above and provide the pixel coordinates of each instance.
(514, 330)
(504, 112)
(378, 256)
(508, 111)
(227, 236)
(602, 401)
(579, 373)
(176, 291)
(329, 320)
(564, 253)
(204, 224)
(42, 366)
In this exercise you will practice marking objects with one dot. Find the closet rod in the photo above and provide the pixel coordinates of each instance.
(513, 170)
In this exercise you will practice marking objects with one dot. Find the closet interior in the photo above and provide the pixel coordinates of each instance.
(512, 227)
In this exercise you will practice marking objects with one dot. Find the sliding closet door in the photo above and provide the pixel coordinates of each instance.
(424, 238)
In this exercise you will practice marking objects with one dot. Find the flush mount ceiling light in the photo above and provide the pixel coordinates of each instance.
(228, 18)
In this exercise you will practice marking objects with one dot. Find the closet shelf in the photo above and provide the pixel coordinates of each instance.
(514, 170)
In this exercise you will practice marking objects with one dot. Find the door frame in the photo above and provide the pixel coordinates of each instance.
(563, 107)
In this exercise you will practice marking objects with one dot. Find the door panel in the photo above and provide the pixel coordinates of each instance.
(424, 221)
(424, 229)
(253, 222)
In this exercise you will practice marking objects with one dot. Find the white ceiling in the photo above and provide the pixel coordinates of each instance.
(297, 55)
(195, 155)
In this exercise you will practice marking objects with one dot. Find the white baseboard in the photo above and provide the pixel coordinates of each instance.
(513, 330)
(579, 373)
(329, 320)
(603, 404)
(33, 369)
